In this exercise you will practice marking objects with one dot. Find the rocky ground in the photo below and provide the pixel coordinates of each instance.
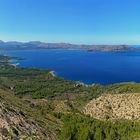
(15, 125)
(18, 124)
(115, 106)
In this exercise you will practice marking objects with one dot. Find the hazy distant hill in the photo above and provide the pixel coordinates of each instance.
(13, 45)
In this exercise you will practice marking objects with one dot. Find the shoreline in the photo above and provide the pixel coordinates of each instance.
(16, 64)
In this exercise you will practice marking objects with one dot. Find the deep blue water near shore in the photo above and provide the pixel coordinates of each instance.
(88, 67)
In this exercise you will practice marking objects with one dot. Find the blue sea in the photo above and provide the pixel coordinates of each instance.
(88, 67)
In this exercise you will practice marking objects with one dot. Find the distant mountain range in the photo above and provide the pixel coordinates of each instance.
(13, 45)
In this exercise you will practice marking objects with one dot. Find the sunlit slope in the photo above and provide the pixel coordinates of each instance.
(115, 106)
(19, 120)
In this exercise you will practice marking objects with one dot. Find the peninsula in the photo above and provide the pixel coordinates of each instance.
(13, 45)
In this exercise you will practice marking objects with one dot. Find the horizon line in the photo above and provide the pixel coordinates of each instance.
(62, 42)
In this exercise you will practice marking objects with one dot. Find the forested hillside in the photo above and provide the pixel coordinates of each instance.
(35, 104)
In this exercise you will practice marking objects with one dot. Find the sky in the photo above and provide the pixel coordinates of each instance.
(71, 21)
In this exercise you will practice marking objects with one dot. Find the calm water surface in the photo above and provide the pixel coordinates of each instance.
(88, 67)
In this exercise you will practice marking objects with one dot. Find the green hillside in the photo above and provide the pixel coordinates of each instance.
(35, 104)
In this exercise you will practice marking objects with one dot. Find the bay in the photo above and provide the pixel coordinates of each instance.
(88, 67)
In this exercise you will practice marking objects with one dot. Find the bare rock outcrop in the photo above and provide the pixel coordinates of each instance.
(115, 106)
(15, 125)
